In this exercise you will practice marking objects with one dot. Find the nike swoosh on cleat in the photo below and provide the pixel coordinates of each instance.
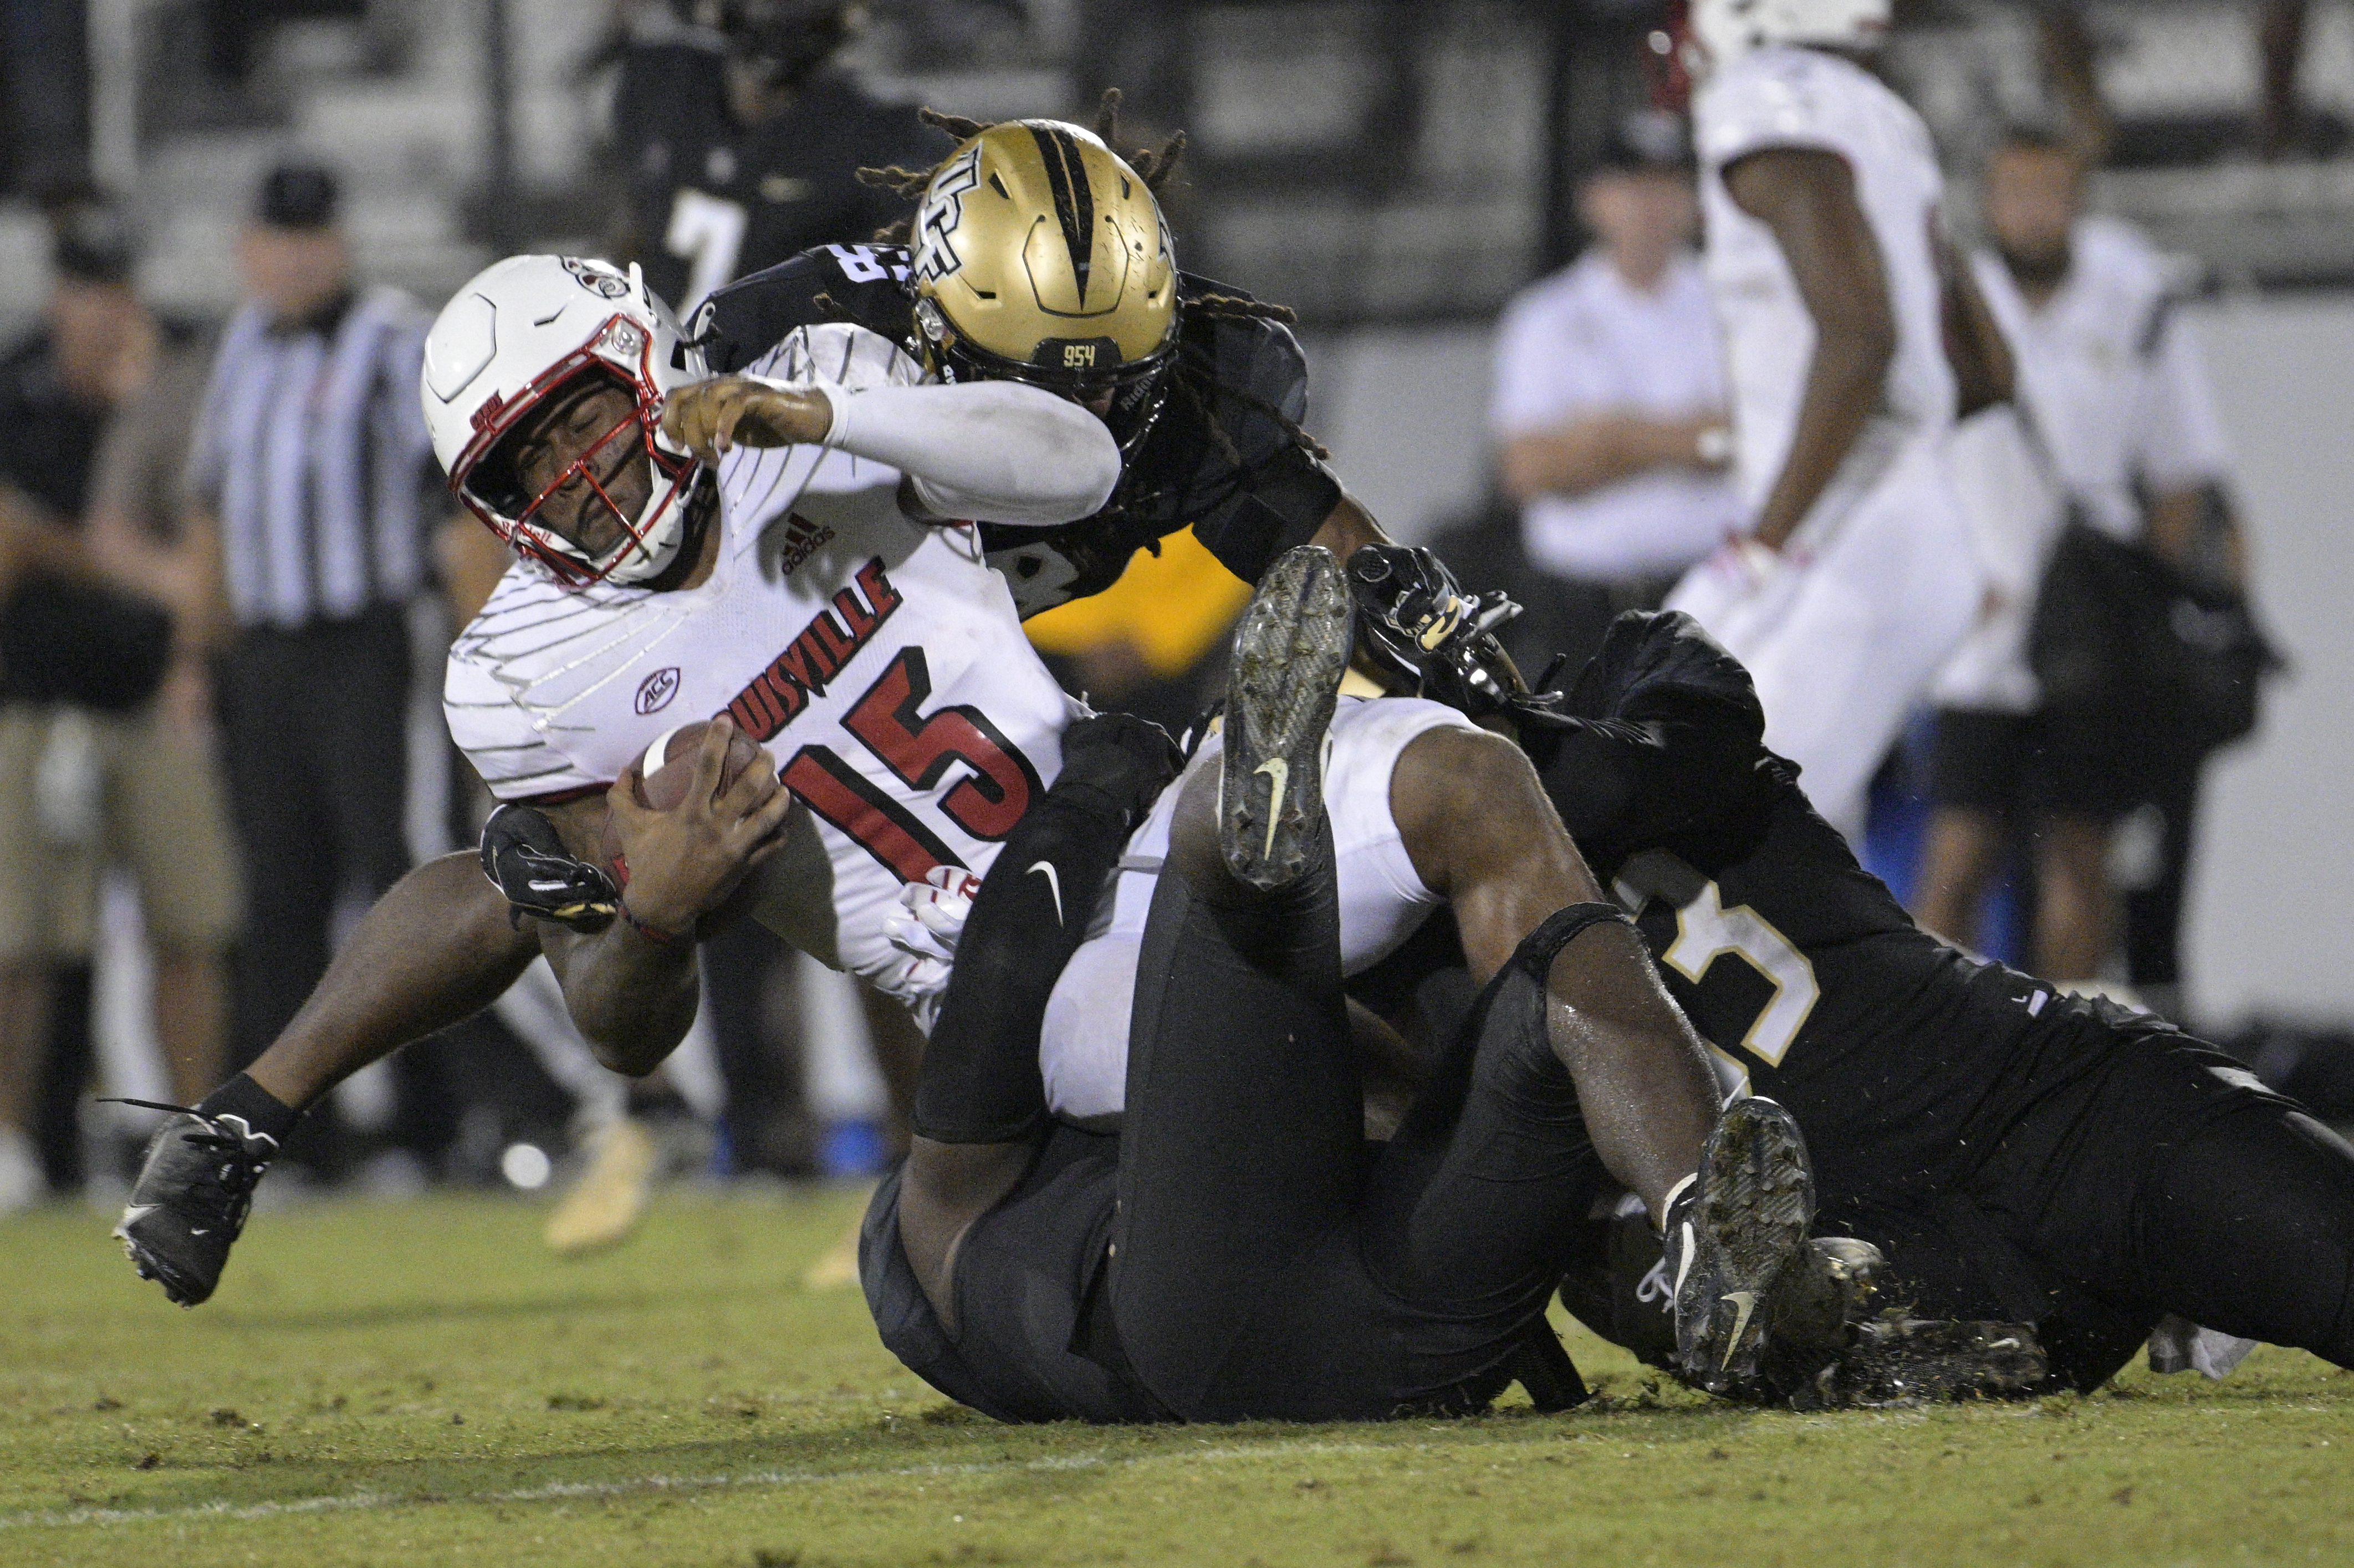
(1054, 884)
(1683, 1264)
(1278, 772)
(1744, 1302)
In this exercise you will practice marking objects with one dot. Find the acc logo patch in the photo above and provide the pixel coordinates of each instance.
(596, 278)
(656, 690)
(943, 210)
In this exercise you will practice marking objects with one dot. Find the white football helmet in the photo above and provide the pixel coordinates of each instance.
(1726, 30)
(522, 330)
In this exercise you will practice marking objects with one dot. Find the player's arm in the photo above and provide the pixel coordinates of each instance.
(1479, 831)
(994, 452)
(1808, 198)
(1985, 372)
(1345, 529)
(1590, 453)
(632, 988)
(981, 1101)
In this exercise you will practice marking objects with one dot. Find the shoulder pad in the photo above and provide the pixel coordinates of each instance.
(863, 284)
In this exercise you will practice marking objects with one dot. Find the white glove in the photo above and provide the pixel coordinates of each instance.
(931, 916)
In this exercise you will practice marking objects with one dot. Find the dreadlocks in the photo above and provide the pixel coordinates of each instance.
(1195, 378)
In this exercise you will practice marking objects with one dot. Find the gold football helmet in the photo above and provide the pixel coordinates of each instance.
(1040, 256)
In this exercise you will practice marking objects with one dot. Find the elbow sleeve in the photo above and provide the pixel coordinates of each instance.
(993, 451)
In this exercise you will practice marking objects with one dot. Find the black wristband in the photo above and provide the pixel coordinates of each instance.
(261, 1110)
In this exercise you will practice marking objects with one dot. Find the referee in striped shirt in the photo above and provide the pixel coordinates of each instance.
(311, 468)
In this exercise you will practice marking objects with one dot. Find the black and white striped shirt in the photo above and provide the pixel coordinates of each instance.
(311, 450)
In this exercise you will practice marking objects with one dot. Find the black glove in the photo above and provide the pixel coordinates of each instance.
(1125, 760)
(1659, 666)
(1662, 731)
(1428, 636)
(525, 859)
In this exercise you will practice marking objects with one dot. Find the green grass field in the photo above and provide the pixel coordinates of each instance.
(419, 1384)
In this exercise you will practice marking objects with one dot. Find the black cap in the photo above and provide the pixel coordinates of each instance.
(91, 244)
(1651, 140)
(297, 195)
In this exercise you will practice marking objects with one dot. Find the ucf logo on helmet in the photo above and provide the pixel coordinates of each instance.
(943, 210)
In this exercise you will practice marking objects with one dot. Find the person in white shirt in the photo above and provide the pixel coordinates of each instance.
(1609, 413)
(1856, 575)
(2115, 425)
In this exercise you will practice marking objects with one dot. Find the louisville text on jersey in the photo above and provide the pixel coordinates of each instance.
(778, 694)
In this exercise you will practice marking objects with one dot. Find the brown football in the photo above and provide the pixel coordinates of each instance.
(663, 785)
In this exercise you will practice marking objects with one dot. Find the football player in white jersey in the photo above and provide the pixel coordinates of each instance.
(829, 585)
(1820, 188)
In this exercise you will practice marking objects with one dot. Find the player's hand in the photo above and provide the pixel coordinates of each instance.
(712, 416)
(929, 921)
(684, 863)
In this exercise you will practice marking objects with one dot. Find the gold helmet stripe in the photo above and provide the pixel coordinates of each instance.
(1074, 200)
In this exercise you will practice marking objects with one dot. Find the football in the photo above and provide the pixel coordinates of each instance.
(665, 773)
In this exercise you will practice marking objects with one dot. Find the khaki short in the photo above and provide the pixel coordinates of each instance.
(79, 791)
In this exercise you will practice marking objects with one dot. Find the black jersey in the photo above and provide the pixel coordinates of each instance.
(1222, 457)
(1799, 967)
(711, 200)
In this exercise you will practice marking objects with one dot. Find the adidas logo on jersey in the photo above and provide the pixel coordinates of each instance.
(804, 539)
(778, 694)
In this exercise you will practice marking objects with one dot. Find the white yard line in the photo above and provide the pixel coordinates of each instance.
(554, 1491)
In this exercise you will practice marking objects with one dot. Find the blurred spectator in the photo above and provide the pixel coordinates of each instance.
(311, 470)
(2072, 63)
(85, 766)
(236, 30)
(2117, 427)
(742, 142)
(45, 92)
(1610, 400)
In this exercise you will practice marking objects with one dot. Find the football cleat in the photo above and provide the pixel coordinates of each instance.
(1732, 1235)
(606, 1205)
(1290, 652)
(1896, 1360)
(191, 1200)
(1828, 1289)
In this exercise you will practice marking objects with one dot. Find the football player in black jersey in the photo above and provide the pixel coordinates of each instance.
(741, 144)
(1208, 415)
(2019, 1155)
(1207, 411)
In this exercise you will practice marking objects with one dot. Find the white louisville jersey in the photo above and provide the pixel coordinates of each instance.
(1805, 99)
(878, 659)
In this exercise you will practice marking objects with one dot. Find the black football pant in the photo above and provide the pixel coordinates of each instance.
(2181, 1187)
(1266, 1264)
(2160, 1182)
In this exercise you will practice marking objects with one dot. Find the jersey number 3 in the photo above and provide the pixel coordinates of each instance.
(919, 748)
(1706, 931)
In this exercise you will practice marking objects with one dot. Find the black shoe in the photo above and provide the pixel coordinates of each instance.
(1290, 652)
(1896, 1361)
(191, 1200)
(1817, 1306)
(1731, 1236)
